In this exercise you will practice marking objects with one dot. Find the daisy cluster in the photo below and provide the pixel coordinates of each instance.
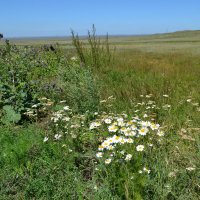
(116, 137)
(64, 122)
(124, 136)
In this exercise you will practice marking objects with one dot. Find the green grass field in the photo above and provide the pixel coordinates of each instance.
(160, 64)
(182, 41)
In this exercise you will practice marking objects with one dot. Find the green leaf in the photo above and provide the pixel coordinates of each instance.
(10, 116)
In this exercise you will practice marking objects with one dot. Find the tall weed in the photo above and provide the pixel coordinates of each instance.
(93, 52)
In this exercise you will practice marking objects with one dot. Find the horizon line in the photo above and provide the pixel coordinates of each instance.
(100, 35)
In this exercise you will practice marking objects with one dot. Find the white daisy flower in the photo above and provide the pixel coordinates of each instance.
(57, 136)
(140, 148)
(160, 133)
(128, 157)
(154, 126)
(100, 148)
(99, 154)
(94, 125)
(112, 128)
(143, 131)
(108, 161)
(110, 147)
(66, 108)
(130, 140)
(108, 121)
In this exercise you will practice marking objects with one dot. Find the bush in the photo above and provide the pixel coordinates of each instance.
(80, 87)
(28, 73)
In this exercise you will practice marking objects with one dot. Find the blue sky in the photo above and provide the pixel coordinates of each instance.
(20, 18)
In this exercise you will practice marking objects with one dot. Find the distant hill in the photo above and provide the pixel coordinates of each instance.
(182, 34)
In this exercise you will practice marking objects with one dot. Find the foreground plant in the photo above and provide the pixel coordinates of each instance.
(120, 144)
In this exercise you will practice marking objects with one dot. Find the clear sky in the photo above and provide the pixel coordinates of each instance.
(20, 18)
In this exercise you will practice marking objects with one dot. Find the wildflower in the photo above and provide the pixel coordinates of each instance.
(146, 170)
(102, 101)
(110, 147)
(129, 140)
(190, 168)
(120, 122)
(108, 161)
(49, 103)
(110, 140)
(66, 119)
(143, 131)
(112, 128)
(116, 139)
(111, 97)
(43, 98)
(122, 141)
(94, 125)
(133, 127)
(189, 100)
(140, 171)
(57, 136)
(34, 106)
(140, 148)
(75, 126)
(145, 123)
(108, 121)
(63, 101)
(66, 108)
(150, 102)
(74, 58)
(122, 152)
(160, 133)
(129, 123)
(100, 148)
(128, 157)
(125, 115)
(154, 126)
(45, 139)
(123, 129)
(99, 154)
(105, 144)
(165, 95)
(145, 115)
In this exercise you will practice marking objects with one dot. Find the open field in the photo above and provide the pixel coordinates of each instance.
(155, 77)
(183, 41)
